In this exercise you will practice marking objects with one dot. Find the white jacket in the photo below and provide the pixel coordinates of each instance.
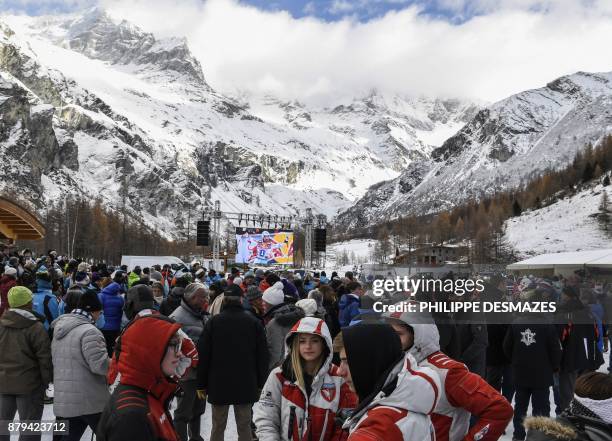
(403, 414)
(284, 412)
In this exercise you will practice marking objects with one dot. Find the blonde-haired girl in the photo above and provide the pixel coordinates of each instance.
(302, 397)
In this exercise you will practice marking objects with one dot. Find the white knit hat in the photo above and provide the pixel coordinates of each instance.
(309, 306)
(274, 295)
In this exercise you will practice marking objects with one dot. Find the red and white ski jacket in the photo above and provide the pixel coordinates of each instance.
(284, 412)
(462, 394)
(403, 414)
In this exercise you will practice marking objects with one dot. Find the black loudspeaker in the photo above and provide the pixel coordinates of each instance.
(203, 233)
(320, 240)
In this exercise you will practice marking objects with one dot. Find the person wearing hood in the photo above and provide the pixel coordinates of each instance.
(192, 316)
(80, 364)
(8, 280)
(149, 360)
(233, 365)
(588, 417)
(462, 393)
(45, 303)
(279, 318)
(112, 302)
(158, 294)
(396, 396)
(302, 397)
(25, 359)
(139, 304)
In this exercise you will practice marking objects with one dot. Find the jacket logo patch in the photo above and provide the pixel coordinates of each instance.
(528, 337)
(482, 433)
(328, 391)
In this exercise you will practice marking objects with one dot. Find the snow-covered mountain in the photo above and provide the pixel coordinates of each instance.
(569, 224)
(97, 107)
(501, 147)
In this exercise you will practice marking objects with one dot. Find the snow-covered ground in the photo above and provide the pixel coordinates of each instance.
(566, 225)
(358, 251)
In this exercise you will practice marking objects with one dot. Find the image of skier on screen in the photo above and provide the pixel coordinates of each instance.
(268, 249)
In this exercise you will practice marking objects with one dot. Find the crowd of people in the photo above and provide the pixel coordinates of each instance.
(137, 353)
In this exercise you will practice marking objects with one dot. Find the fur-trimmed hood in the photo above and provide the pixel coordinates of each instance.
(567, 427)
(549, 429)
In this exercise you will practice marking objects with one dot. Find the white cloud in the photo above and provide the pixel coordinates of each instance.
(341, 7)
(511, 48)
(309, 8)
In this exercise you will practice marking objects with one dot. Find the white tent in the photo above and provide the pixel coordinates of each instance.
(566, 261)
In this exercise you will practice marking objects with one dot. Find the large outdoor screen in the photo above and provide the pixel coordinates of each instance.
(260, 246)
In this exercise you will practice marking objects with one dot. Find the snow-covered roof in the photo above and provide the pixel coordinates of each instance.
(591, 258)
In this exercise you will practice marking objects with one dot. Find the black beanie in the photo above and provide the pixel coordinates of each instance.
(233, 291)
(89, 301)
(372, 350)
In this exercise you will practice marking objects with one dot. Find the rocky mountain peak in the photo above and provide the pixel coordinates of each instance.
(97, 35)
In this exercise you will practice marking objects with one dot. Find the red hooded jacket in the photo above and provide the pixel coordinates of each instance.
(138, 408)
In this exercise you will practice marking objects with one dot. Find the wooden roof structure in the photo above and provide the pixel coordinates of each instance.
(18, 223)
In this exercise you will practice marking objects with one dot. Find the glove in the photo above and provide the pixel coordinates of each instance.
(201, 394)
(183, 364)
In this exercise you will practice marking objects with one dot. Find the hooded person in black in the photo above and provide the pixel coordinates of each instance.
(372, 350)
(396, 396)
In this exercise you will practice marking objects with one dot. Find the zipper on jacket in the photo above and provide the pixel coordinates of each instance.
(291, 423)
(309, 428)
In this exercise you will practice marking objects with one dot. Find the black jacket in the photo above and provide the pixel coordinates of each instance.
(331, 317)
(473, 341)
(533, 347)
(173, 301)
(449, 338)
(233, 357)
(495, 351)
(127, 417)
(577, 333)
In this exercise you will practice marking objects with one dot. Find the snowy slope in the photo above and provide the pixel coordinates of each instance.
(567, 225)
(502, 146)
(126, 103)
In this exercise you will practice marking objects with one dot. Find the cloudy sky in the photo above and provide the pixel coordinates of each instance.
(322, 49)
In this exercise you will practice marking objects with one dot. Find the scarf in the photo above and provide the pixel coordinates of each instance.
(598, 409)
(83, 313)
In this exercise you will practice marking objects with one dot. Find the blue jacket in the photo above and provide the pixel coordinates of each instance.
(289, 289)
(45, 303)
(113, 306)
(349, 308)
